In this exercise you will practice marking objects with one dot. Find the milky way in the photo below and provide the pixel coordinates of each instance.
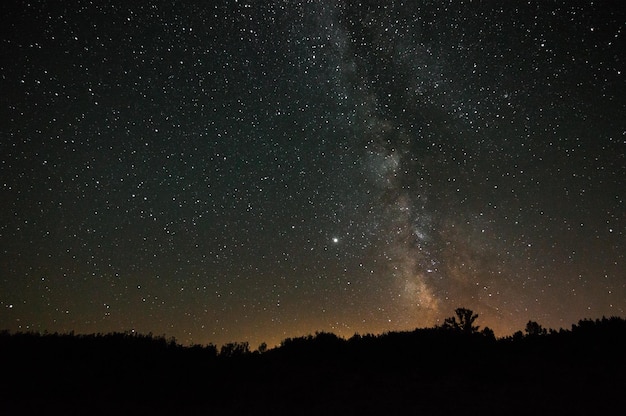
(250, 171)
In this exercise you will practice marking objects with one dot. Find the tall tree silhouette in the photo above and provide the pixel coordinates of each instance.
(465, 322)
(534, 329)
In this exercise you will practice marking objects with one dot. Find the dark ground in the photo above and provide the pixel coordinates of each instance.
(427, 372)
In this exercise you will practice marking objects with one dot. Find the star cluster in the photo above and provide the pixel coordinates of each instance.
(254, 170)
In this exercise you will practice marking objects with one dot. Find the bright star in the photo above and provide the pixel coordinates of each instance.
(335, 240)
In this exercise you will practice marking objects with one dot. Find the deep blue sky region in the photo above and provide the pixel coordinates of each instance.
(254, 170)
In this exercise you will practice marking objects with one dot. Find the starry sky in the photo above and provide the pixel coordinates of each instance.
(239, 170)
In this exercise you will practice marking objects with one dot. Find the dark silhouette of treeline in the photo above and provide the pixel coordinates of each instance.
(455, 368)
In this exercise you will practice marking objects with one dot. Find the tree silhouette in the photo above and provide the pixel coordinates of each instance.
(465, 322)
(234, 349)
(488, 333)
(534, 329)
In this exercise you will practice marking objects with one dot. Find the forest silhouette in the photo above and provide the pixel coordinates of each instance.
(452, 369)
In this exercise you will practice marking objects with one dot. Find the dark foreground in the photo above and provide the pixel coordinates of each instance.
(425, 372)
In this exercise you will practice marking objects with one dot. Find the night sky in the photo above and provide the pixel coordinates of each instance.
(254, 170)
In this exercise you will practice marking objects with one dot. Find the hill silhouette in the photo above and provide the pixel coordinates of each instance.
(433, 371)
